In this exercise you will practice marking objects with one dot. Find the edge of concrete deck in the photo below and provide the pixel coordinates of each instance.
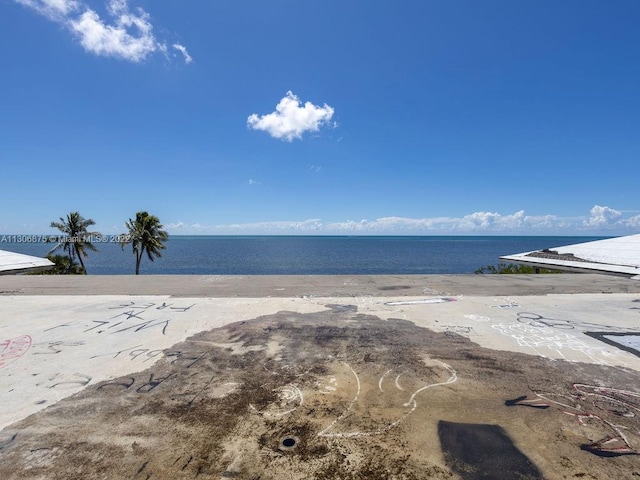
(223, 286)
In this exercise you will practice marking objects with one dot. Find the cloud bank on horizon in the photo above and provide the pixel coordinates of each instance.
(126, 34)
(291, 119)
(600, 221)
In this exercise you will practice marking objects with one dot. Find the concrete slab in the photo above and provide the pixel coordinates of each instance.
(224, 286)
(617, 256)
(370, 382)
(54, 346)
(12, 263)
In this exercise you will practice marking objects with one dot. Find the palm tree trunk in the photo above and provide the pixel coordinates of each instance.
(84, 270)
(138, 260)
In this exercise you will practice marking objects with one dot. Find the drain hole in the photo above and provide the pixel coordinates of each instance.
(289, 442)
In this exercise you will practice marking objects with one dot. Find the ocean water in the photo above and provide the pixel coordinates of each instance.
(310, 255)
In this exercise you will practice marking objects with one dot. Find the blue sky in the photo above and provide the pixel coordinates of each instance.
(322, 117)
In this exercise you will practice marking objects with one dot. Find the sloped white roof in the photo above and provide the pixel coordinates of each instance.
(11, 262)
(619, 255)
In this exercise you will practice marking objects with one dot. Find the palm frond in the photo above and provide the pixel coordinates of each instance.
(146, 235)
(77, 239)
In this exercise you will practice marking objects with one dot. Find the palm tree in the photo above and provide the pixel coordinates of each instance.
(77, 239)
(63, 266)
(145, 235)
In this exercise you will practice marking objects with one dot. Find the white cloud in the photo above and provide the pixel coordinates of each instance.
(130, 38)
(633, 222)
(125, 34)
(181, 227)
(477, 223)
(183, 50)
(53, 9)
(253, 182)
(602, 216)
(290, 119)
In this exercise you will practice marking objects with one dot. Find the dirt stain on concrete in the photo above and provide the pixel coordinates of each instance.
(357, 397)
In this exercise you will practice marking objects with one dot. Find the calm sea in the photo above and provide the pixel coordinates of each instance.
(309, 255)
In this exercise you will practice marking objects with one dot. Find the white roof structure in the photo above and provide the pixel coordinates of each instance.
(615, 256)
(11, 263)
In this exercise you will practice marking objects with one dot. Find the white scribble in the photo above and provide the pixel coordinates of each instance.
(411, 404)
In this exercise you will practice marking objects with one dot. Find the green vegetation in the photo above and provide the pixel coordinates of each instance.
(76, 240)
(145, 234)
(507, 268)
(64, 265)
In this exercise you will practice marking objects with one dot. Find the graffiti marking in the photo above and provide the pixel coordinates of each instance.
(14, 348)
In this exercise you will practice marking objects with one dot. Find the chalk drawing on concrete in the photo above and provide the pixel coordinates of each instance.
(477, 318)
(547, 343)
(137, 385)
(53, 348)
(382, 378)
(403, 401)
(13, 349)
(276, 367)
(153, 306)
(612, 411)
(506, 304)
(134, 352)
(536, 320)
(421, 302)
(327, 388)
(73, 340)
(462, 330)
(133, 317)
(65, 381)
(289, 398)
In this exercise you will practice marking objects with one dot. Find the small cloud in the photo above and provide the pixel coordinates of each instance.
(182, 49)
(130, 37)
(315, 168)
(602, 216)
(488, 221)
(183, 227)
(633, 222)
(52, 9)
(125, 33)
(253, 182)
(179, 225)
(291, 120)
